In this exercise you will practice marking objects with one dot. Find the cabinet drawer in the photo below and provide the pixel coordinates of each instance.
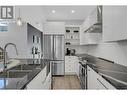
(96, 81)
(105, 83)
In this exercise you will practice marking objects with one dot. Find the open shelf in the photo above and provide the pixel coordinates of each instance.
(72, 35)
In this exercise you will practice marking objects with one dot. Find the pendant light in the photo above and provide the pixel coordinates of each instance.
(19, 20)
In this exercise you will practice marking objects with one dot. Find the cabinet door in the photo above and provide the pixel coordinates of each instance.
(103, 84)
(69, 69)
(47, 84)
(91, 79)
(114, 23)
(100, 85)
(38, 81)
(77, 68)
(96, 81)
(71, 64)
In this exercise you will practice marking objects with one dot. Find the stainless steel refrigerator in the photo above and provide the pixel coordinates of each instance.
(54, 50)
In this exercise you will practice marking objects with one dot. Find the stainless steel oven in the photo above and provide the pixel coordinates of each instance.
(83, 75)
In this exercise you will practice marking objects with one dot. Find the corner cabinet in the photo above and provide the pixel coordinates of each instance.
(96, 81)
(114, 23)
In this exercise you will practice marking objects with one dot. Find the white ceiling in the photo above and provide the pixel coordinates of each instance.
(63, 13)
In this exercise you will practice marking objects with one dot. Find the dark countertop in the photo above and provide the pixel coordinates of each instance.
(114, 73)
(71, 55)
(20, 83)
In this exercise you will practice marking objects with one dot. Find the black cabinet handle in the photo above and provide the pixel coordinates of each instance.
(101, 83)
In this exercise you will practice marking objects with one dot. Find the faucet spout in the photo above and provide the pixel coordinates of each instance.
(1, 49)
(1, 53)
(5, 55)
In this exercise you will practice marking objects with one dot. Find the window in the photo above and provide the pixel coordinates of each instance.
(3, 27)
(2, 83)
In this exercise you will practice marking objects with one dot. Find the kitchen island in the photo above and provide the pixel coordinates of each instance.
(20, 76)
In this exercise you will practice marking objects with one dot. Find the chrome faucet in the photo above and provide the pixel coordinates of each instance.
(1, 49)
(1, 53)
(5, 55)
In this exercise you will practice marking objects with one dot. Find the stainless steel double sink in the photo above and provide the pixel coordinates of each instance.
(19, 71)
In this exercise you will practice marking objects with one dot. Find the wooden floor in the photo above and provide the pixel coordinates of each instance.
(66, 82)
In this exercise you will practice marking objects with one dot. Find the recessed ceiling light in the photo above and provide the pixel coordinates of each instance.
(53, 11)
(72, 11)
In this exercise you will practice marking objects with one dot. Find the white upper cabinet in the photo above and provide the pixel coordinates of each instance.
(54, 28)
(114, 23)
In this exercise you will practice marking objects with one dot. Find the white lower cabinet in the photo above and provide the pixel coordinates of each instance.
(47, 84)
(71, 63)
(41, 81)
(96, 81)
(77, 68)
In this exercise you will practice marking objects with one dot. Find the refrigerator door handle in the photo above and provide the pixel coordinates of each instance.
(52, 68)
(52, 47)
(55, 47)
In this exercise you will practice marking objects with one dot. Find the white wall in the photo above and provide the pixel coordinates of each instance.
(54, 28)
(32, 14)
(74, 22)
(115, 51)
(16, 35)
